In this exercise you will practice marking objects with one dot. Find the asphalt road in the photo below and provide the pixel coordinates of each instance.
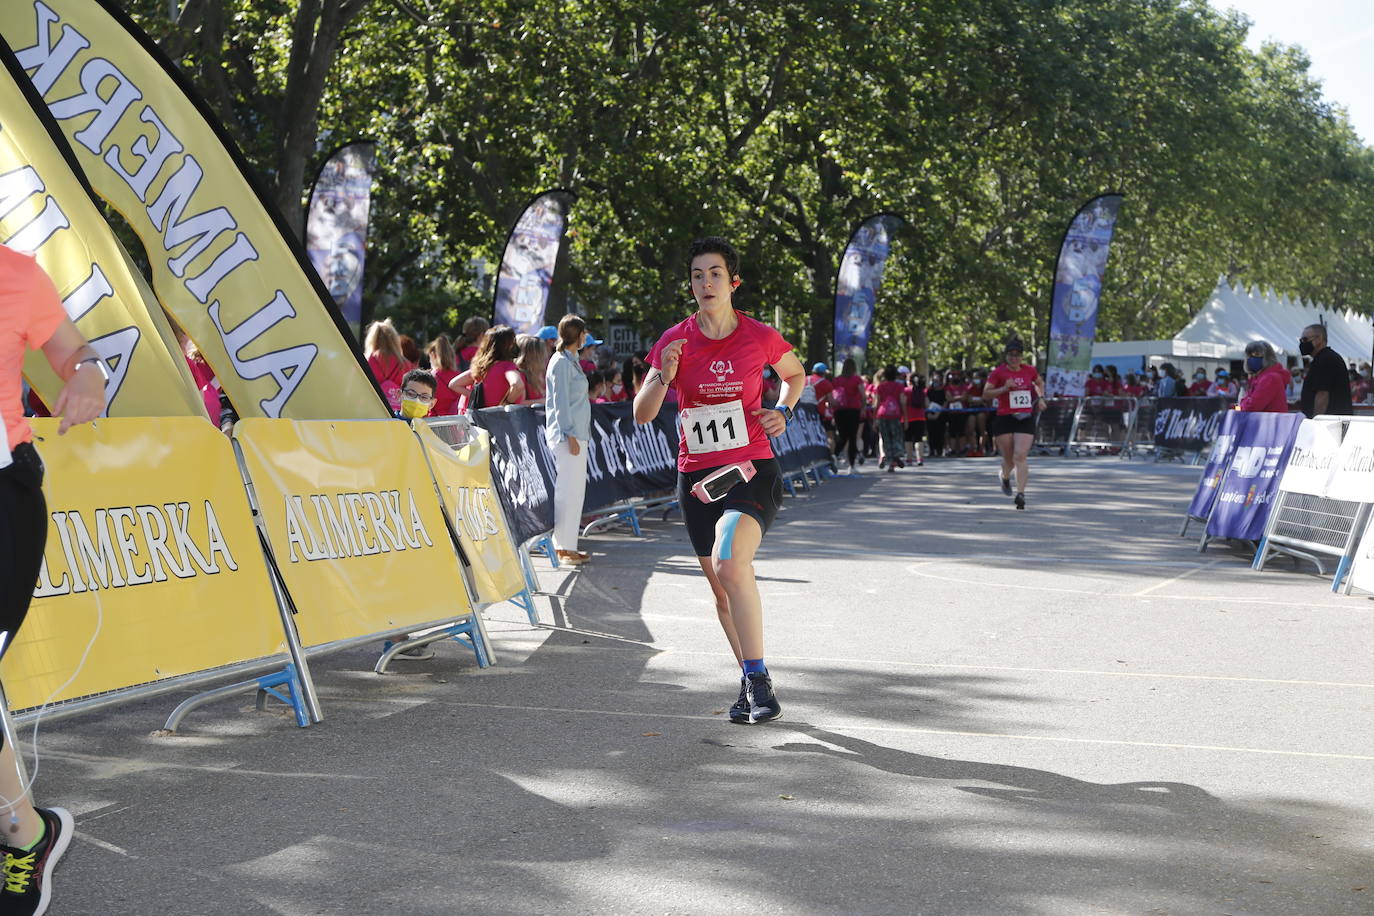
(1059, 711)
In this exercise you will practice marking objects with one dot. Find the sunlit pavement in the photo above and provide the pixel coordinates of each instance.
(1057, 711)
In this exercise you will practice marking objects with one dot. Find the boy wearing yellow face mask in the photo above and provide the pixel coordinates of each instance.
(417, 394)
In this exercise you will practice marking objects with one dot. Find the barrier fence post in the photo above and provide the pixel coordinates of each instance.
(284, 607)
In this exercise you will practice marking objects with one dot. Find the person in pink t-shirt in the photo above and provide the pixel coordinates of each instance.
(494, 369)
(847, 394)
(32, 840)
(714, 361)
(889, 402)
(443, 362)
(1018, 392)
(386, 361)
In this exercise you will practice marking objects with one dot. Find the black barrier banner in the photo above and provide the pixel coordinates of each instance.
(522, 469)
(1188, 424)
(804, 443)
(624, 459)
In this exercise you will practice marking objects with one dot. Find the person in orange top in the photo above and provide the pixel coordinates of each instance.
(32, 840)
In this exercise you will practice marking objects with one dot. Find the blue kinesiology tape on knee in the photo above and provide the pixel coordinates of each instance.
(727, 539)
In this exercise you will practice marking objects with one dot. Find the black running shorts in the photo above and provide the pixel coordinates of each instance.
(759, 499)
(1005, 423)
(23, 531)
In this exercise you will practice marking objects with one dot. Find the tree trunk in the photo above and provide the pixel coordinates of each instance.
(315, 43)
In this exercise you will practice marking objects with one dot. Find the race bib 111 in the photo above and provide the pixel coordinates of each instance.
(715, 427)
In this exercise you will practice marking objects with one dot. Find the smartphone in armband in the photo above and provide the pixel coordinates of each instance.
(714, 486)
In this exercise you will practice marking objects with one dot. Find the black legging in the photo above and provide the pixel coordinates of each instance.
(847, 432)
(23, 531)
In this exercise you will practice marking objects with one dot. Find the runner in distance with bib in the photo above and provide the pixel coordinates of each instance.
(1017, 391)
(714, 361)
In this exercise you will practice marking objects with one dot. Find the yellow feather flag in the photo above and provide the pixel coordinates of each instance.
(45, 209)
(222, 261)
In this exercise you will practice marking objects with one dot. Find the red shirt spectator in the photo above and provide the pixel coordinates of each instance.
(445, 400)
(916, 403)
(956, 394)
(1268, 391)
(889, 397)
(821, 385)
(496, 385)
(1099, 387)
(848, 391)
(389, 373)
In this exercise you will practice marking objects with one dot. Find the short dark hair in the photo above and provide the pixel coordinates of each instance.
(889, 373)
(420, 375)
(714, 244)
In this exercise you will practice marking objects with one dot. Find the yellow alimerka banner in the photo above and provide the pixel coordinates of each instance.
(355, 526)
(222, 262)
(151, 540)
(46, 210)
(464, 478)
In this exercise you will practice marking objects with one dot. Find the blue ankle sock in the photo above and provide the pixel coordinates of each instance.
(754, 666)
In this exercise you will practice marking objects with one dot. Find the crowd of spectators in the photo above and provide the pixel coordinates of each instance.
(485, 366)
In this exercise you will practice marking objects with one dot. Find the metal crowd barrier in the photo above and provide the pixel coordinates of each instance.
(1103, 424)
(1142, 435)
(1312, 527)
(1093, 424)
(1054, 428)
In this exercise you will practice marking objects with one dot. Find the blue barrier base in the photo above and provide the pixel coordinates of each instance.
(466, 632)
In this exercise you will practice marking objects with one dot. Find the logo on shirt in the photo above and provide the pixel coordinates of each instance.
(721, 368)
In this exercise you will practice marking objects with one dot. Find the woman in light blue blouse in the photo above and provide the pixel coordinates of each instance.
(567, 426)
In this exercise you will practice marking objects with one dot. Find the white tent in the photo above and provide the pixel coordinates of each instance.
(1234, 317)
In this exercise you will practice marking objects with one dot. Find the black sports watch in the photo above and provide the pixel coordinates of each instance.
(785, 411)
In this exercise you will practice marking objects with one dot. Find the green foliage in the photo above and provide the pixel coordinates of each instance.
(984, 123)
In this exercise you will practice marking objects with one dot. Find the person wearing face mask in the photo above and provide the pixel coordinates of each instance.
(1268, 388)
(1098, 385)
(1326, 390)
(417, 395)
(1169, 384)
(1200, 385)
(1224, 386)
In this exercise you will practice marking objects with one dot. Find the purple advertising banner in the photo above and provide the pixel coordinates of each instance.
(856, 286)
(1251, 482)
(1223, 446)
(336, 226)
(522, 286)
(1077, 289)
